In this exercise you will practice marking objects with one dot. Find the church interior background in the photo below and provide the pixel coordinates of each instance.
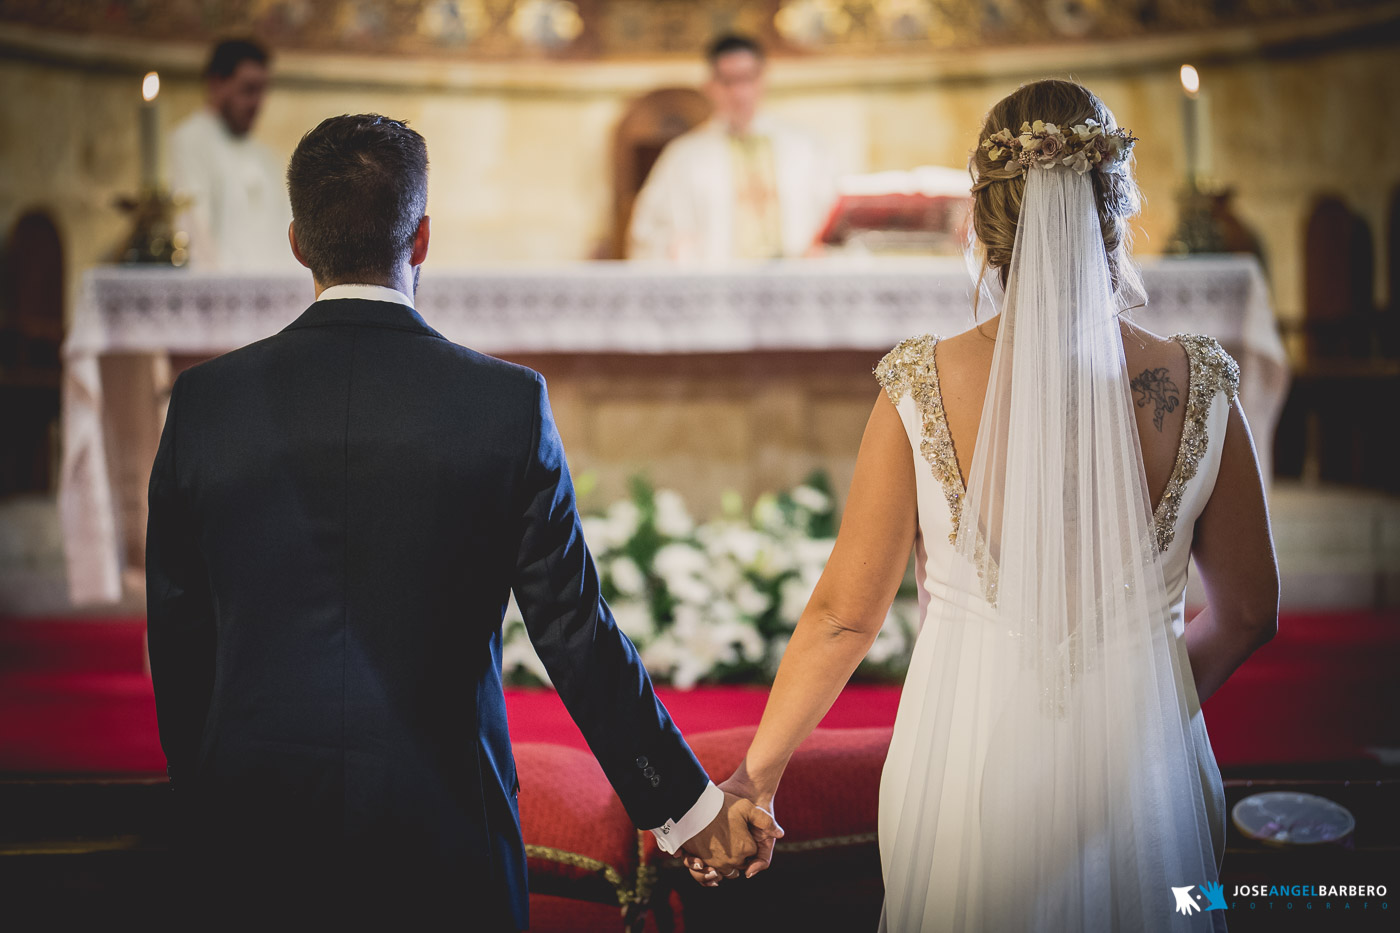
(692, 397)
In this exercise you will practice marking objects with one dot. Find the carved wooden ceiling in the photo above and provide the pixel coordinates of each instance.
(630, 29)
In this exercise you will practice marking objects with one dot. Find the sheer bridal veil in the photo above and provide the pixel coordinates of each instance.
(1054, 782)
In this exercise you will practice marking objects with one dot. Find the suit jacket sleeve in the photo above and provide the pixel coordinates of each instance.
(179, 607)
(592, 663)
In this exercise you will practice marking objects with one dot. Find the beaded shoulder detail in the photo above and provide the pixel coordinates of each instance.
(909, 369)
(1212, 371)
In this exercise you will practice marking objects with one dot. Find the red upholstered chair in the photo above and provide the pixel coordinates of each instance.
(579, 842)
(830, 792)
(581, 845)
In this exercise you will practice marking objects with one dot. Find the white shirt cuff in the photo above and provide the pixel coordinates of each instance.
(676, 833)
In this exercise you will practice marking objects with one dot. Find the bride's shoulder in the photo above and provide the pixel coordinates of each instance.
(1200, 358)
(909, 364)
(1212, 368)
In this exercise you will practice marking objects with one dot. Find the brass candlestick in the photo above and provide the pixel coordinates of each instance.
(154, 239)
(1197, 229)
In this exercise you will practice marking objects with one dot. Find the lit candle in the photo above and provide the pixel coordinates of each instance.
(1205, 147)
(150, 132)
(1190, 127)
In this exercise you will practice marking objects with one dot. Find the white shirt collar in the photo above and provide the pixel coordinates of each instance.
(366, 293)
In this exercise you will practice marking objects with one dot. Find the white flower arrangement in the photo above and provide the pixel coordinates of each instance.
(714, 602)
(1084, 146)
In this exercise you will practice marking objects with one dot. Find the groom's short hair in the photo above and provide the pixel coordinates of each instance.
(359, 188)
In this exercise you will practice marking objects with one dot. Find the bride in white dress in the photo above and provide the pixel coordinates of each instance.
(1054, 470)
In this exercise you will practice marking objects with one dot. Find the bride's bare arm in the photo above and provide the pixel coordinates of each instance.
(848, 605)
(1234, 552)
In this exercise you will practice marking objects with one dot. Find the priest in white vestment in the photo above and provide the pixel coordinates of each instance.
(741, 185)
(236, 211)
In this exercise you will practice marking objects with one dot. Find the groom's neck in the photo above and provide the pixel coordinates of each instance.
(402, 283)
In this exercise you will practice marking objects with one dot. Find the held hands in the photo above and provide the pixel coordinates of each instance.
(754, 809)
(738, 839)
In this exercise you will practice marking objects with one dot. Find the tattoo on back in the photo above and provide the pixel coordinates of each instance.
(1156, 386)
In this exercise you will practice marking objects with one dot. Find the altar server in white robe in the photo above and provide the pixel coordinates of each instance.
(236, 211)
(739, 186)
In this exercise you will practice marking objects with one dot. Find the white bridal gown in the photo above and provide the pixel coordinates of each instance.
(957, 684)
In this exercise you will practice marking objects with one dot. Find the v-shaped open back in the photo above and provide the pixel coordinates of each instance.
(911, 369)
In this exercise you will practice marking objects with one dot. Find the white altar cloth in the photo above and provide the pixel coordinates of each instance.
(601, 307)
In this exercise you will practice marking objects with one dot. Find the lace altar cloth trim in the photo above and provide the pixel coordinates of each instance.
(644, 308)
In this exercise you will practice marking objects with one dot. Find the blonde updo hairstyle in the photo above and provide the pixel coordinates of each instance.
(997, 191)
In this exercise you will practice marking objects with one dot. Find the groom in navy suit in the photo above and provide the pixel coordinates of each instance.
(338, 515)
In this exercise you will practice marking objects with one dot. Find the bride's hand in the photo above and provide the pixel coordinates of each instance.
(740, 784)
(704, 875)
(762, 827)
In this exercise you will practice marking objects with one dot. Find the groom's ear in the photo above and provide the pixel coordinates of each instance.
(420, 242)
(292, 239)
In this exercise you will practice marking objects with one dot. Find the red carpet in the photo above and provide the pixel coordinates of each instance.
(74, 698)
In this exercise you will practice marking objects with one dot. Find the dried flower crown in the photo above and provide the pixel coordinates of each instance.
(1084, 146)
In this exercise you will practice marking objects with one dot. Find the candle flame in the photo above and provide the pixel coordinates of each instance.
(150, 86)
(1190, 79)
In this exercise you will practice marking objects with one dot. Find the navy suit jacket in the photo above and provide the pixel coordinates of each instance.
(338, 514)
